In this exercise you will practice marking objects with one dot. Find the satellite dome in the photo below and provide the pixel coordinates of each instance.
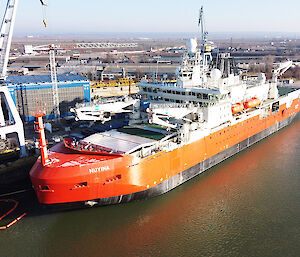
(216, 74)
(192, 45)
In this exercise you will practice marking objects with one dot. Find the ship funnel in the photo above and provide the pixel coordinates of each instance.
(192, 45)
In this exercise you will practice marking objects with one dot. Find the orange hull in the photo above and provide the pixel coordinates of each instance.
(75, 177)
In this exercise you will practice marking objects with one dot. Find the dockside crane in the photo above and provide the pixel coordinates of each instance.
(10, 120)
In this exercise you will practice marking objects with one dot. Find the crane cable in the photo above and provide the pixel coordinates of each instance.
(44, 5)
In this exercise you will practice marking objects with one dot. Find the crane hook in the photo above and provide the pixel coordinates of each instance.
(44, 4)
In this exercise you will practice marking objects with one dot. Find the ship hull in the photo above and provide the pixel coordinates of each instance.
(185, 175)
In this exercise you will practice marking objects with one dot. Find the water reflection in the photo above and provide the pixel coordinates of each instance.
(248, 205)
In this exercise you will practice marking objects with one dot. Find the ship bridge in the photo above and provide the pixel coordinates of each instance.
(165, 93)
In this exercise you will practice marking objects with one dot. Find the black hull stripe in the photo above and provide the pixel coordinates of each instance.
(189, 173)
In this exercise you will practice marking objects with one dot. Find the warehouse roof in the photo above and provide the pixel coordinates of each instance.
(43, 78)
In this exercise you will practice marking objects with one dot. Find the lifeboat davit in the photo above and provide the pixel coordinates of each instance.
(238, 107)
(253, 102)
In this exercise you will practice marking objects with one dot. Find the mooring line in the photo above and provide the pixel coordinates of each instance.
(16, 192)
(8, 212)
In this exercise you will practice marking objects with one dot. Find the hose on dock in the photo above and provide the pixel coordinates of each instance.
(16, 203)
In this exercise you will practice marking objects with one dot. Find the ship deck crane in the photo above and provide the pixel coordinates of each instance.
(204, 33)
(280, 69)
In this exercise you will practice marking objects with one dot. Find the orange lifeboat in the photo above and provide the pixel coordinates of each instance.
(238, 107)
(253, 102)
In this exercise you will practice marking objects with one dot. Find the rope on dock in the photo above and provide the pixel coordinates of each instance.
(16, 203)
(16, 192)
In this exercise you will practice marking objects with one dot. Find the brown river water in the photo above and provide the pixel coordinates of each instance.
(248, 205)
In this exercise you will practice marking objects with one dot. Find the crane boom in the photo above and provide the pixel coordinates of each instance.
(203, 32)
(280, 69)
(6, 127)
(6, 33)
(14, 124)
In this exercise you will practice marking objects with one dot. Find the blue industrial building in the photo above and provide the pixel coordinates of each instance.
(27, 91)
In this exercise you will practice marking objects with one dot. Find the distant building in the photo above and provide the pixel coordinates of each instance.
(27, 91)
(287, 81)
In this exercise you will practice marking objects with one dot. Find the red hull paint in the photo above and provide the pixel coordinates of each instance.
(73, 177)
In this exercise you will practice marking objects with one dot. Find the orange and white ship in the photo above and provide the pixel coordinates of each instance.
(205, 117)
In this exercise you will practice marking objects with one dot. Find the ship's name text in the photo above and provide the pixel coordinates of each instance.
(98, 169)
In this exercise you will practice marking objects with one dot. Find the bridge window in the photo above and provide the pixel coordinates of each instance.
(275, 107)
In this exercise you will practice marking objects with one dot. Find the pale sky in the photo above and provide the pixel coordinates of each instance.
(97, 16)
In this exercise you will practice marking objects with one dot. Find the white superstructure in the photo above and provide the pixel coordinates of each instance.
(203, 96)
(207, 97)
